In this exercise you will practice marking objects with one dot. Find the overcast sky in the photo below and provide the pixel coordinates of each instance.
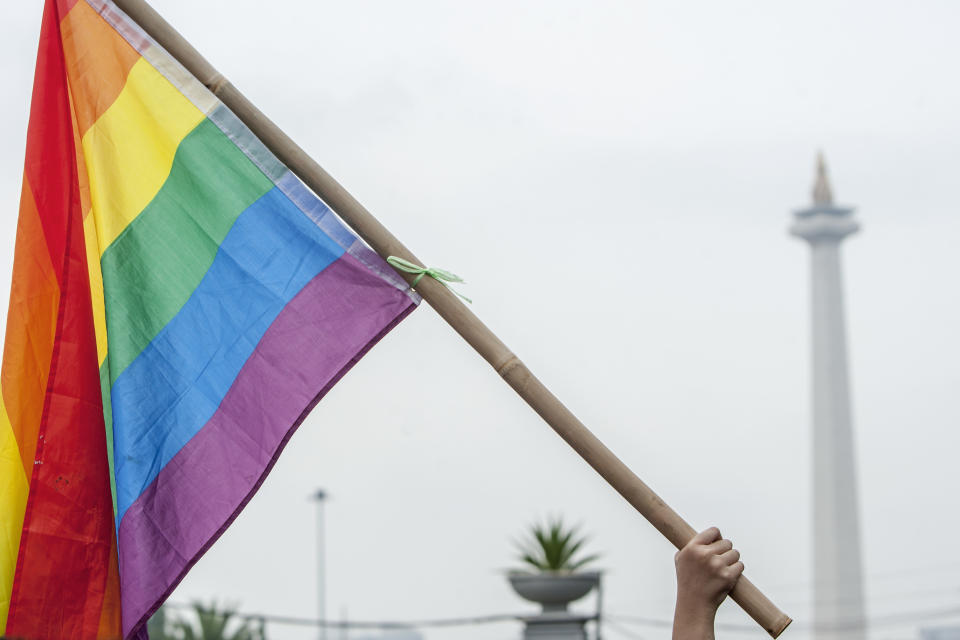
(615, 182)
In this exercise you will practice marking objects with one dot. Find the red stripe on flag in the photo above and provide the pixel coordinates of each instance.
(50, 164)
(64, 6)
(64, 563)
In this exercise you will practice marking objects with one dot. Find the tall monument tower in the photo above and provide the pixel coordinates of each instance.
(837, 573)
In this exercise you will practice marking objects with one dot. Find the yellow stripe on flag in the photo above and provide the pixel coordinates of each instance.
(13, 503)
(91, 243)
(96, 287)
(129, 150)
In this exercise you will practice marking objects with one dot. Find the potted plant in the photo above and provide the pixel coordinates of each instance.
(553, 575)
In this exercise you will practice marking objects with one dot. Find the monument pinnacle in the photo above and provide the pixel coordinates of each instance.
(822, 193)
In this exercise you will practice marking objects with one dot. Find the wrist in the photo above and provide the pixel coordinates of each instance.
(693, 620)
(696, 608)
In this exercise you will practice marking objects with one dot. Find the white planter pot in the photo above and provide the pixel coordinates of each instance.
(553, 591)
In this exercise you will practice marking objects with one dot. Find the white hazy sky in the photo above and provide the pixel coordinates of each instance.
(615, 181)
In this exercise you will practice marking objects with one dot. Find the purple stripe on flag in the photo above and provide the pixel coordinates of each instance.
(314, 340)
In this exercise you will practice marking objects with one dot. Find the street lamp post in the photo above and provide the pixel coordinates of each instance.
(319, 497)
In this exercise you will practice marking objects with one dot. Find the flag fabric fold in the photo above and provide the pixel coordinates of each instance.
(180, 301)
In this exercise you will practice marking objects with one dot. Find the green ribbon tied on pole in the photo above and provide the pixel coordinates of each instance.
(441, 276)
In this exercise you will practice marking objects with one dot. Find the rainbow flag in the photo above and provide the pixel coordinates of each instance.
(180, 302)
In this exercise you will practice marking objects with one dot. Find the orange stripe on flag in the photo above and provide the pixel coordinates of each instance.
(31, 326)
(98, 61)
(110, 614)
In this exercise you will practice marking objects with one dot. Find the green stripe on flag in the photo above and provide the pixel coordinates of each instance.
(155, 264)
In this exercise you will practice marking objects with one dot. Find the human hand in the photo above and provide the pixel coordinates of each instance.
(707, 569)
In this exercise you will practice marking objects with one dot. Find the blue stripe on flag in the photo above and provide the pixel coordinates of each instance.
(177, 382)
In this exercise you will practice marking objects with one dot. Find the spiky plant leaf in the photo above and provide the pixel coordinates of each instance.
(553, 547)
(584, 561)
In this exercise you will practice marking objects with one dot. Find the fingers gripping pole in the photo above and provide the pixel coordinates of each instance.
(463, 321)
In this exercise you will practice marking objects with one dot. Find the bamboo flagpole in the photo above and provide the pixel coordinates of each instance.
(463, 321)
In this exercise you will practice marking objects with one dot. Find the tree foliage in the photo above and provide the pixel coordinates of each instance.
(207, 622)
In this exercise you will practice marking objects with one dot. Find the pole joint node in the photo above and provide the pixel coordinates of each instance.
(216, 83)
(512, 362)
